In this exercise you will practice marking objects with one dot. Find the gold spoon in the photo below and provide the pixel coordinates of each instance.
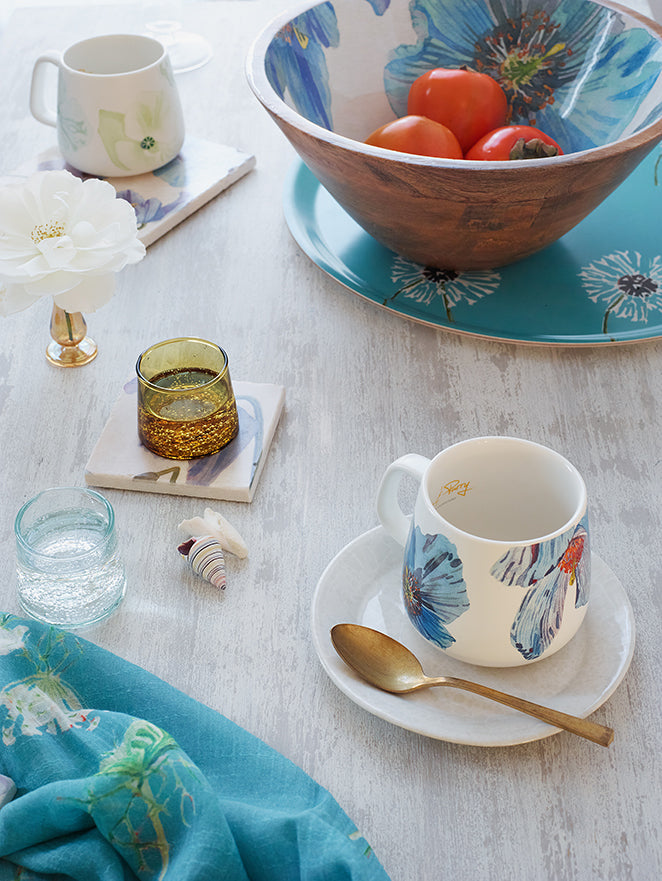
(383, 662)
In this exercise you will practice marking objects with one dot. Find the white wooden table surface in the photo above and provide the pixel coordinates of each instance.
(363, 387)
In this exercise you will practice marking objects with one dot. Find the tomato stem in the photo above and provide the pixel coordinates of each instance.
(534, 148)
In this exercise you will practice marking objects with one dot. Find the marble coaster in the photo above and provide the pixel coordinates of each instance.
(165, 197)
(120, 461)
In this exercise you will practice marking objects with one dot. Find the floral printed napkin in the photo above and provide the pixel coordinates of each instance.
(122, 777)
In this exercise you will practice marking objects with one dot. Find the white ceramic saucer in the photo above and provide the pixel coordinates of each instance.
(361, 585)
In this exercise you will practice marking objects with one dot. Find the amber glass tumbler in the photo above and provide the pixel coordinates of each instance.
(186, 405)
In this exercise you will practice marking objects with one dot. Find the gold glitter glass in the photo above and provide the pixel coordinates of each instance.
(186, 405)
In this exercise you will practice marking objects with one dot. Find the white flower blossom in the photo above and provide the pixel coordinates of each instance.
(65, 238)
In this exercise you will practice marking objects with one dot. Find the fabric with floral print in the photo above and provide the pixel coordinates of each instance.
(122, 778)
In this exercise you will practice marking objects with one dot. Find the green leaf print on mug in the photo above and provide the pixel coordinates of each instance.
(125, 151)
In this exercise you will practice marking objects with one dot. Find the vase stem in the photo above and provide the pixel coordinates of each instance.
(70, 346)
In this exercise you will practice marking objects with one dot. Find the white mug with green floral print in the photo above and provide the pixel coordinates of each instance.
(118, 108)
(497, 561)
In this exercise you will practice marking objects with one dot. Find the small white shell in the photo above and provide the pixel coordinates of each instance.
(205, 557)
(216, 525)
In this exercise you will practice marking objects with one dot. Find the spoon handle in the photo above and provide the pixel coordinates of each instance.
(590, 730)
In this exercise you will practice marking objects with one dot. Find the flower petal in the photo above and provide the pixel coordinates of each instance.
(14, 298)
(57, 252)
(63, 237)
(89, 295)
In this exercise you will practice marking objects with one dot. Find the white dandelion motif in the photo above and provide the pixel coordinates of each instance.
(628, 286)
(425, 284)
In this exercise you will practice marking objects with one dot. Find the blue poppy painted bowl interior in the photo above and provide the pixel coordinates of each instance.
(588, 74)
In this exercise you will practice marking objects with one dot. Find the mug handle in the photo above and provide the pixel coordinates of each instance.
(38, 106)
(392, 518)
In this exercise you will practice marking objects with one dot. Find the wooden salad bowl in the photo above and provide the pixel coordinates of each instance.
(458, 214)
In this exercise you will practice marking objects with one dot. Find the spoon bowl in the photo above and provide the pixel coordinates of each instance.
(389, 665)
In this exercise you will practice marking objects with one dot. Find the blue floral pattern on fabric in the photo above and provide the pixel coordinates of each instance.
(434, 590)
(547, 571)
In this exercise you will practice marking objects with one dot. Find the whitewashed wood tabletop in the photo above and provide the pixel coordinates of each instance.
(363, 387)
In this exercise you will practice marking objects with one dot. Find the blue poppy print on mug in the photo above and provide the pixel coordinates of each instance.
(496, 567)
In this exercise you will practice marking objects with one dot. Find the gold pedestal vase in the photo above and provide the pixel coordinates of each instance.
(70, 346)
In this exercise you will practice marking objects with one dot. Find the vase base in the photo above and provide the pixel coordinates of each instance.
(72, 356)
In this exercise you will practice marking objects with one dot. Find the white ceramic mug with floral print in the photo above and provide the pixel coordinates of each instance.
(497, 561)
(118, 108)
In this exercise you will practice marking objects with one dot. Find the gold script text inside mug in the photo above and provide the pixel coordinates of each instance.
(515, 496)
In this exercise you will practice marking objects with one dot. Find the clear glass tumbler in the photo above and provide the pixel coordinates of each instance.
(69, 570)
(186, 404)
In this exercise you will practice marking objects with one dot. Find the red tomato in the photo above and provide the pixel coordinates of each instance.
(514, 142)
(418, 135)
(469, 103)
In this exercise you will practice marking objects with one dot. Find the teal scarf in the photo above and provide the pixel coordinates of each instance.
(122, 777)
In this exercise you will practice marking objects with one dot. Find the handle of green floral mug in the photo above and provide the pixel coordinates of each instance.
(38, 106)
(392, 518)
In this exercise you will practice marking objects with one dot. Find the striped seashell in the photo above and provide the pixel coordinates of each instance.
(205, 557)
